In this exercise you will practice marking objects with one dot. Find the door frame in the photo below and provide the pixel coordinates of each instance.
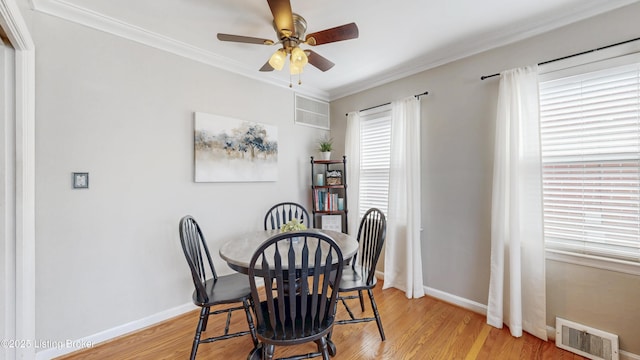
(22, 213)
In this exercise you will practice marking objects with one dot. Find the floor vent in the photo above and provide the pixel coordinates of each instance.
(585, 341)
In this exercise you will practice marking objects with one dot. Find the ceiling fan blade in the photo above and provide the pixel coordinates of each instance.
(318, 60)
(244, 39)
(266, 67)
(282, 17)
(338, 33)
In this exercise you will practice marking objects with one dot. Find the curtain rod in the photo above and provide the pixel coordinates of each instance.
(570, 56)
(417, 96)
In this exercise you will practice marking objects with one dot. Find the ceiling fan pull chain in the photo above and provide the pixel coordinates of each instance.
(290, 81)
(299, 80)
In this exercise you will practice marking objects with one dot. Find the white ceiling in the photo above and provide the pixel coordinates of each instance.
(397, 38)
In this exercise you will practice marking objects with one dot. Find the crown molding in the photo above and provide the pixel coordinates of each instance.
(476, 45)
(16, 29)
(471, 46)
(92, 19)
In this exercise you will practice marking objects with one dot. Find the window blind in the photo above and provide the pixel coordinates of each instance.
(375, 157)
(590, 141)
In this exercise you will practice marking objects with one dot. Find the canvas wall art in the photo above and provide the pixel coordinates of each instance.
(233, 150)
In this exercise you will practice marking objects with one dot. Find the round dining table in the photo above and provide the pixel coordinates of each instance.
(238, 250)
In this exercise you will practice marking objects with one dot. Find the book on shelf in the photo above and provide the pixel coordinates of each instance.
(325, 201)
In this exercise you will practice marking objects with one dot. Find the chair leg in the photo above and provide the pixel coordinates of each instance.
(206, 319)
(256, 353)
(322, 348)
(204, 315)
(252, 328)
(361, 300)
(335, 311)
(268, 351)
(376, 313)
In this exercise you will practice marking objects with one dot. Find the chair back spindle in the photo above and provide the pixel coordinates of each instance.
(282, 213)
(198, 256)
(371, 235)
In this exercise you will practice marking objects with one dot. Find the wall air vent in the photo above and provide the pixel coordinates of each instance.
(312, 112)
(585, 341)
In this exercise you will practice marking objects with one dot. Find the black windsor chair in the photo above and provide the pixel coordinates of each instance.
(281, 213)
(360, 275)
(216, 290)
(286, 316)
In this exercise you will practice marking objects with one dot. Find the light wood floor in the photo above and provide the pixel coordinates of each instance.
(418, 329)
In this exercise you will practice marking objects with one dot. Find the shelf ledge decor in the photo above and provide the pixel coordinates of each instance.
(334, 177)
(232, 150)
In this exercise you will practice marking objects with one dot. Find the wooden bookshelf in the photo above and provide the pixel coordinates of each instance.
(329, 192)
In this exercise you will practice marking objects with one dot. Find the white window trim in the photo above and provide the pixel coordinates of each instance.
(622, 53)
(594, 261)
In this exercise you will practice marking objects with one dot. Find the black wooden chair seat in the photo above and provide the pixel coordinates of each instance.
(355, 279)
(226, 289)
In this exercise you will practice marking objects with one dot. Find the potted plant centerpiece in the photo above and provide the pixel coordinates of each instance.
(293, 225)
(325, 145)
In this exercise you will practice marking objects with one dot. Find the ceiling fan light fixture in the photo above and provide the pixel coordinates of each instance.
(278, 59)
(298, 57)
(295, 69)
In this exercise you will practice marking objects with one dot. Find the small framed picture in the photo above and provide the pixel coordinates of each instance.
(334, 177)
(80, 180)
(332, 222)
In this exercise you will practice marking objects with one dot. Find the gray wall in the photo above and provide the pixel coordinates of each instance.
(123, 112)
(457, 165)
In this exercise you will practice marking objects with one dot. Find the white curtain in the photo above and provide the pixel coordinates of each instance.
(403, 257)
(352, 151)
(517, 286)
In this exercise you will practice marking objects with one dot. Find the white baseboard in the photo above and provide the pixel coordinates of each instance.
(628, 356)
(450, 298)
(60, 348)
(456, 300)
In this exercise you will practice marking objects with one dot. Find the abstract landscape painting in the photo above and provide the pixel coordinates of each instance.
(232, 150)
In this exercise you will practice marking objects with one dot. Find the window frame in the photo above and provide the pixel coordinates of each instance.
(379, 113)
(608, 58)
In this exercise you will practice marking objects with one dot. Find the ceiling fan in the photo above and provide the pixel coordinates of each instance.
(290, 29)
